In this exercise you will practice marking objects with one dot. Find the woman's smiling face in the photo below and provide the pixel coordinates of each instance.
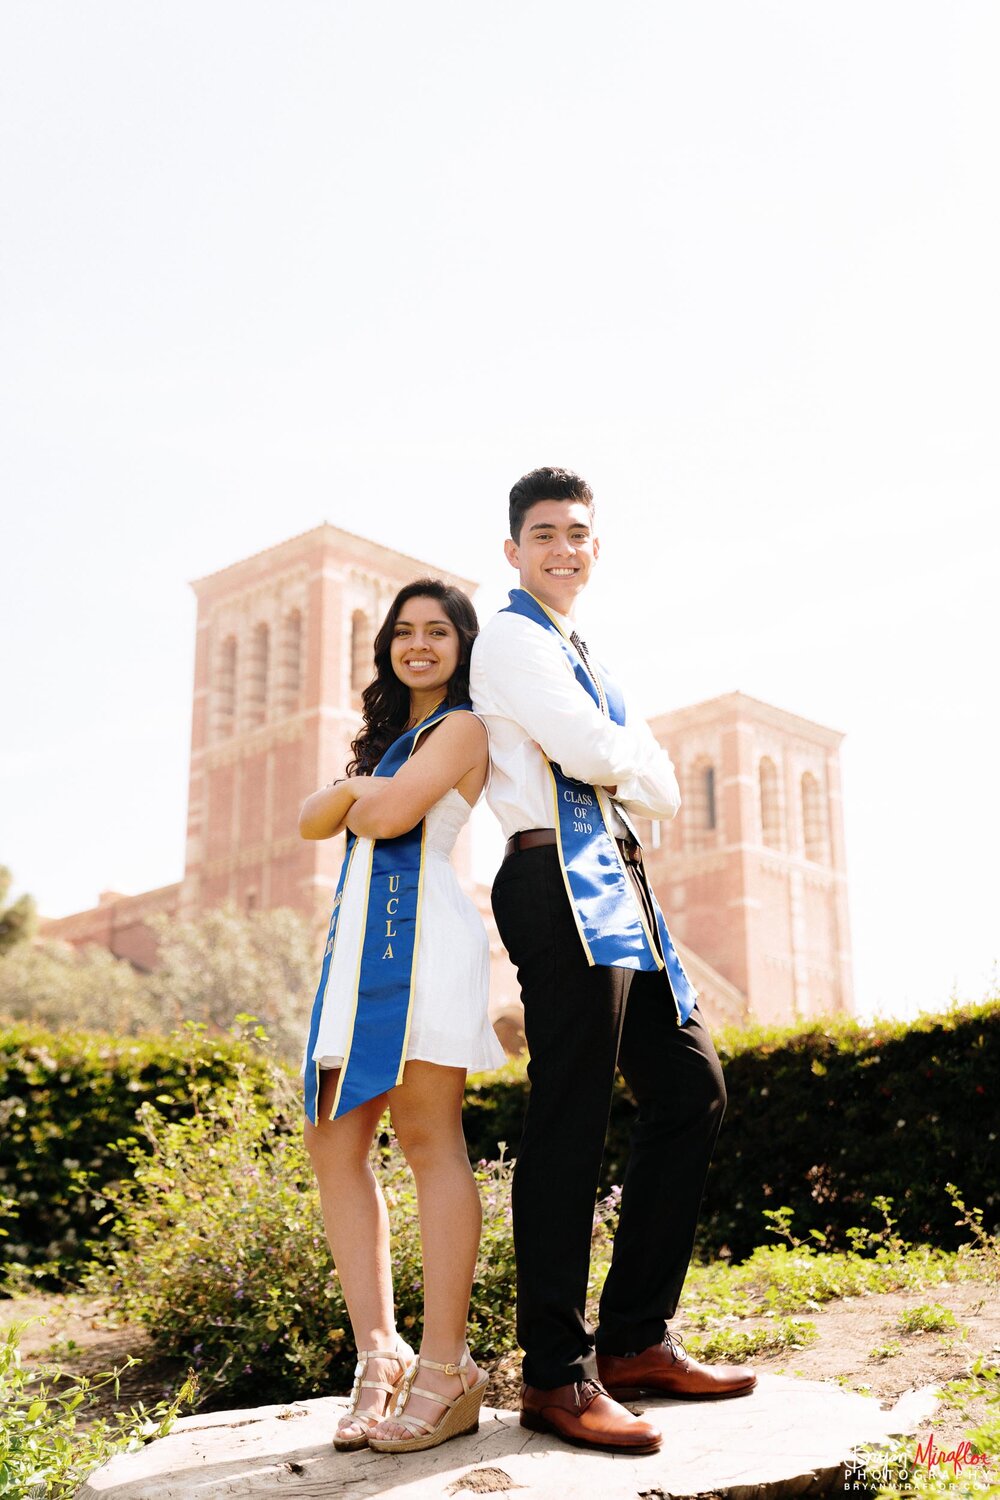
(425, 646)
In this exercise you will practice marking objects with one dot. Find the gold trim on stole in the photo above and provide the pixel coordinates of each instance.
(416, 949)
(357, 976)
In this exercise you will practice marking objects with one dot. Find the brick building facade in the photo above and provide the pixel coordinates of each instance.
(752, 871)
(751, 875)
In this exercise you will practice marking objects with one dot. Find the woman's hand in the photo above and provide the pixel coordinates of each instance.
(324, 814)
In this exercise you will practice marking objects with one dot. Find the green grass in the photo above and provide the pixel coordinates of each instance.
(779, 1280)
(783, 1279)
(734, 1345)
(886, 1351)
(930, 1317)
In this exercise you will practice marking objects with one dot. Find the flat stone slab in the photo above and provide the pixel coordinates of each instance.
(789, 1437)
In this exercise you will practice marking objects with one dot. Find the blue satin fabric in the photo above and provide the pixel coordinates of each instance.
(609, 918)
(376, 1046)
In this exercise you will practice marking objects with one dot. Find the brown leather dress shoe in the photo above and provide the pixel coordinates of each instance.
(586, 1416)
(667, 1369)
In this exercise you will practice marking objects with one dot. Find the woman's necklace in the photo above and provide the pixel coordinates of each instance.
(416, 719)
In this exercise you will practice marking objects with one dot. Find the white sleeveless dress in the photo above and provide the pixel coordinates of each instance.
(449, 1024)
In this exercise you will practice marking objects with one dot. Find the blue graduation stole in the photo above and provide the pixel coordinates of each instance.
(610, 920)
(375, 1053)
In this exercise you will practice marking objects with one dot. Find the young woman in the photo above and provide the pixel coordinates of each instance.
(400, 1016)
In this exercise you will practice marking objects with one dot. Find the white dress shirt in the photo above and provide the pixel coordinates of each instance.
(524, 688)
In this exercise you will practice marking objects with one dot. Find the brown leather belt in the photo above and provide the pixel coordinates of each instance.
(536, 838)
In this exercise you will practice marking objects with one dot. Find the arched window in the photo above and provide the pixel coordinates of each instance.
(813, 830)
(699, 803)
(290, 663)
(362, 651)
(225, 689)
(770, 811)
(260, 649)
(708, 787)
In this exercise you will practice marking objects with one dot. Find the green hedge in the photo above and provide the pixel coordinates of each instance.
(68, 1101)
(814, 1124)
(822, 1120)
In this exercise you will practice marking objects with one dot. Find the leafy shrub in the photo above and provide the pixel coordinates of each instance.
(827, 1120)
(44, 1451)
(813, 1122)
(824, 1118)
(223, 1258)
(68, 1104)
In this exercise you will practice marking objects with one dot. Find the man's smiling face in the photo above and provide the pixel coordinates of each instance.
(555, 552)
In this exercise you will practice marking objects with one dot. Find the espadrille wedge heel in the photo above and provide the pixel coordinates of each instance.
(346, 1441)
(460, 1415)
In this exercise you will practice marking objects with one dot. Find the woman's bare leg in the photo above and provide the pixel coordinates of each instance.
(427, 1117)
(357, 1229)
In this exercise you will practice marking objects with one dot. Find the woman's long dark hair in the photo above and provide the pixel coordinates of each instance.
(385, 703)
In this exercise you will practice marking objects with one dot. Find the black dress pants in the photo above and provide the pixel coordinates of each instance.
(580, 1022)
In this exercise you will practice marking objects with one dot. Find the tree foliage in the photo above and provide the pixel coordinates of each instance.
(226, 963)
(52, 985)
(17, 921)
(213, 968)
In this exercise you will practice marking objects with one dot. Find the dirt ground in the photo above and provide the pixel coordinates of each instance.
(78, 1334)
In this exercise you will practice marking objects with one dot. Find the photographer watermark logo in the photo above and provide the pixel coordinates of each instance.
(869, 1469)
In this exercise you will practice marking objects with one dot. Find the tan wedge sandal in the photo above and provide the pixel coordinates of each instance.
(460, 1415)
(406, 1359)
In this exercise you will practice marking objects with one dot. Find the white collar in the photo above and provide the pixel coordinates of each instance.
(563, 621)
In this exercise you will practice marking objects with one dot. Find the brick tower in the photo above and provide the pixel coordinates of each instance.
(284, 649)
(751, 874)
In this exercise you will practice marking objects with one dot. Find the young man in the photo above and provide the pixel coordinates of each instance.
(575, 912)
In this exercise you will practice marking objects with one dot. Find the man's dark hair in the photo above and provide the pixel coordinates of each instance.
(546, 484)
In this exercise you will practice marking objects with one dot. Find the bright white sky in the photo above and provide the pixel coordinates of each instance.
(268, 264)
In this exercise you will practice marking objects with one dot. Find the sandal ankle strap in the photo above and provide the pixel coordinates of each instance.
(448, 1369)
(459, 1369)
